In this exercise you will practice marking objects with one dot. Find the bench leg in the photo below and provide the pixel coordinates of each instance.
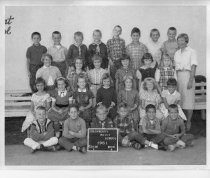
(203, 114)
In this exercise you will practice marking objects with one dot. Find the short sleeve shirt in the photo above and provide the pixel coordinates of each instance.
(171, 98)
(185, 59)
(58, 53)
(34, 54)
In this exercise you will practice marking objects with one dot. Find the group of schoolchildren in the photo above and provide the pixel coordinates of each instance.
(132, 88)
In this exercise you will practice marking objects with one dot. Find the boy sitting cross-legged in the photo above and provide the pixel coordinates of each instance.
(173, 130)
(41, 133)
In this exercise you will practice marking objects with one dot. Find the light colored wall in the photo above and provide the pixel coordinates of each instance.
(67, 20)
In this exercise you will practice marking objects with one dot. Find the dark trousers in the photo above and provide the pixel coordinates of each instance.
(33, 69)
(113, 69)
(62, 67)
(133, 136)
(68, 143)
(154, 138)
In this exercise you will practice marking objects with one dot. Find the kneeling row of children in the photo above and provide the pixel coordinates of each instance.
(167, 135)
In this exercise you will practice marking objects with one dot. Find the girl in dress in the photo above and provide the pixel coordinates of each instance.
(130, 96)
(124, 71)
(73, 75)
(95, 75)
(106, 95)
(164, 72)
(147, 70)
(83, 97)
(61, 98)
(149, 95)
(40, 98)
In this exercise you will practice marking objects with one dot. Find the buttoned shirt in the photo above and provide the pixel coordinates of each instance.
(58, 53)
(136, 52)
(185, 59)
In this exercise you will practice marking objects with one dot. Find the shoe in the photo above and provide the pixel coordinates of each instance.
(153, 145)
(163, 148)
(171, 147)
(82, 149)
(180, 144)
(50, 148)
(136, 145)
(32, 150)
(42, 148)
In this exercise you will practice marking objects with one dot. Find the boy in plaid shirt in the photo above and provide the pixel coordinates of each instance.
(115, 50)
(125, 124)
(136, 49)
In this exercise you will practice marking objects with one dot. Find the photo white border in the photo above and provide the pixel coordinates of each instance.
(188, 170)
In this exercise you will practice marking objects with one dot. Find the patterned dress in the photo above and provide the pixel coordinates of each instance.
(120, 74)
(163, 74)
(131, 98)
(72, 77)
(150, 98)
(82, 99)
(37, 100)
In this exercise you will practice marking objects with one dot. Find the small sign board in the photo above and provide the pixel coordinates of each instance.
(102, 139)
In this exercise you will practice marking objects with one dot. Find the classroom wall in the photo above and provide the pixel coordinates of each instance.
(68, 19)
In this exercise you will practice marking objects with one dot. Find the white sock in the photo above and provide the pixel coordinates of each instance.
(74, 148)
(155, 146)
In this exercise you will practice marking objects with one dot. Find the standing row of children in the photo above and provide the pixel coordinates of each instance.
(133, 88)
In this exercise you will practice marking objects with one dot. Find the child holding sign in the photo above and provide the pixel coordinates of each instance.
(74, 133)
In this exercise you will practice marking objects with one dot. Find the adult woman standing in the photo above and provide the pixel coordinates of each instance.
(186, 62)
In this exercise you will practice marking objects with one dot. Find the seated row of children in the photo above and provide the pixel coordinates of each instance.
(166, 136)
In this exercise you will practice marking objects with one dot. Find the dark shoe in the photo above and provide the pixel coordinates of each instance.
(42, 148)
(82, 149)
(161, 147)
(136, 145)
(50, 148)
(32, 150)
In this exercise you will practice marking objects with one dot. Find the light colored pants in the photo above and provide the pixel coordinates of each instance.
(36, 145)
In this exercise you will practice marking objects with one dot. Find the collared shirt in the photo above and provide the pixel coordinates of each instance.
(62, 93)
(82, 90)
(150, 124)
(48, 73)
(185, 59)
(125, 125)
(100, 49)
(107, 123)
(170, 47)
(154, 49)
(136, 52)
(74, 51)
(58, 53)
(171, 98)
(34, 54)
(95, 75)
(115, 48)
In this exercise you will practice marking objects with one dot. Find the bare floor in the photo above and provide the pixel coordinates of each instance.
(19, 155)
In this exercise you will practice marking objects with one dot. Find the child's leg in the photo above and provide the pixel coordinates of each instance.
(31, 143)
(52, 141)
(82, 142)
(66, 143)
(33, 69)
(187, 139)
(134, 136)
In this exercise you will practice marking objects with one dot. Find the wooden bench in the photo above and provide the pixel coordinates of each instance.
(17, 103)
(200, 98)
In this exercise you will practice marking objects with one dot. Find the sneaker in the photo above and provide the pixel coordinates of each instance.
(82, 149)
(180, 144)
(171, 147)
(153, 145)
